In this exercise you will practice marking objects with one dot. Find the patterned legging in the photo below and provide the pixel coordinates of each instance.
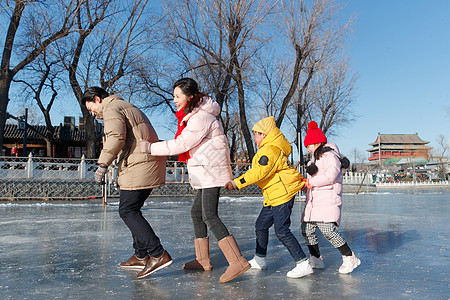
(329, 231)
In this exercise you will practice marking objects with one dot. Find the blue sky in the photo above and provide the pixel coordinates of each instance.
(400, 49)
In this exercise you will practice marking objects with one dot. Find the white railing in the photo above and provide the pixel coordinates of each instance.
(412, 183)
(63, 168)
(46, 168)
(357, 178)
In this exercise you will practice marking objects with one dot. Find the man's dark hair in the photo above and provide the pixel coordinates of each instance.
(91, 93)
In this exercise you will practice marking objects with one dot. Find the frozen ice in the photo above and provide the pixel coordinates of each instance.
(71, 250)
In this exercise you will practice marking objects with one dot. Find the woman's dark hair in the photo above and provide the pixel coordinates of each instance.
(190, 88)
(319, 151)
(92, 92)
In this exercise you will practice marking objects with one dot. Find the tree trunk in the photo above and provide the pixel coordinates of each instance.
(233, 148)
(294, 83)
(220, 98)
(5, 83)
(90, 132)
(49, 147)
(242, 115)
(6, 75)
(299, 131)
(90, 135)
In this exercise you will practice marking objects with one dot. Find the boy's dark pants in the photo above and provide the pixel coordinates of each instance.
(144, 238)
(280, 217)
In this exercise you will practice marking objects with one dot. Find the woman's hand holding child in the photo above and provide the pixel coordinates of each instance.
(145, 146)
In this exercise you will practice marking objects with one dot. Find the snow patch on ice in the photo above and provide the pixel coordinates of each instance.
(241, 199)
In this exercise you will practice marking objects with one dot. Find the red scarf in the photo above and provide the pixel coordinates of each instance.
(183, 157)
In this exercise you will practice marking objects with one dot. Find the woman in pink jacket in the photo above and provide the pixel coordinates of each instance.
(324, 200)
(201, 142)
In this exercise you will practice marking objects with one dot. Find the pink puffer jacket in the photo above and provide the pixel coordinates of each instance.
(324, 199)
(209, 162)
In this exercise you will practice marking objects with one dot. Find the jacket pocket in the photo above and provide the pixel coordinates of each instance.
(275, 188)
(325, 197)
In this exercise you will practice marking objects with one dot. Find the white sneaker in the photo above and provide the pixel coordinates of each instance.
(349, 263)
(262, 265)
(316, 262)
(302, 269)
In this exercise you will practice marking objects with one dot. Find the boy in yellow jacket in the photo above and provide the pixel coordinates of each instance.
(279, 182)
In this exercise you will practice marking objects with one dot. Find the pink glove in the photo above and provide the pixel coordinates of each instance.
(145, 146)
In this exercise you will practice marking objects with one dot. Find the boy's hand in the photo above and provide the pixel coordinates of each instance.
(307, 184)
(230, 185)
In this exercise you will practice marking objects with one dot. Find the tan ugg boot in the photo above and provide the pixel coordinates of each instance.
(202, 260)
(238, 264)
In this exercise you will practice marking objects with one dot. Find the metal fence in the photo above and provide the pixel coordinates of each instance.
(47, 178)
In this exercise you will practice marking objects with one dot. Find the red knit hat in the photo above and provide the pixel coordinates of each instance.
(314, 135)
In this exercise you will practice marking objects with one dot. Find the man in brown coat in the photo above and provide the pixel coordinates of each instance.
(138, 173)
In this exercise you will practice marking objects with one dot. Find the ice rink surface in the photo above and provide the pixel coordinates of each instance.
(71, 250)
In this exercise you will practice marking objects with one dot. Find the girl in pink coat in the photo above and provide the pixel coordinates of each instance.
(201, 142)
(324, 200)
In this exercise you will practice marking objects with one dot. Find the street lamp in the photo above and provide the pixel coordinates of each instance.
(24, 123)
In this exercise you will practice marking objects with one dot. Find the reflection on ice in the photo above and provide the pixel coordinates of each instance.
(72, 250)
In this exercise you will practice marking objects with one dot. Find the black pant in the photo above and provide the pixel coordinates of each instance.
(144, 238)
(204, 212)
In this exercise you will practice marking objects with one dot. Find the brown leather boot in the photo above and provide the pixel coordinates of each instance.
(202, 260)
(155, 263)
(238, 264)
(135, 262)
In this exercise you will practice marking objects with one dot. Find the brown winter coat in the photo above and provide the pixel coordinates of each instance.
(125, 125)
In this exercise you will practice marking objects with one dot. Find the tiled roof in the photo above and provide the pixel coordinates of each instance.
(399, 139)
(61, 134)
(70, 135)
(405, 147)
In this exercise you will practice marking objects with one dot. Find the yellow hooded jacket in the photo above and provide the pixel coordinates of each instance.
(271, 169)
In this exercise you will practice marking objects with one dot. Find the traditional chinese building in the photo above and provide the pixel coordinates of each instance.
(68, 140)
(397, 146)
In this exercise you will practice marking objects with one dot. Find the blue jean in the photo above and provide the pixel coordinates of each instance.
(144, 238)
(280, 217)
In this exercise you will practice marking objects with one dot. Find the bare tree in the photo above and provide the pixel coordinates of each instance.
(109, 51)
(224, 43)
(314, 36)
(331, 97)
(42, 78)
(442, 156)
(358, 160)
(214, 40)
(40, 28)
(271, 76)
